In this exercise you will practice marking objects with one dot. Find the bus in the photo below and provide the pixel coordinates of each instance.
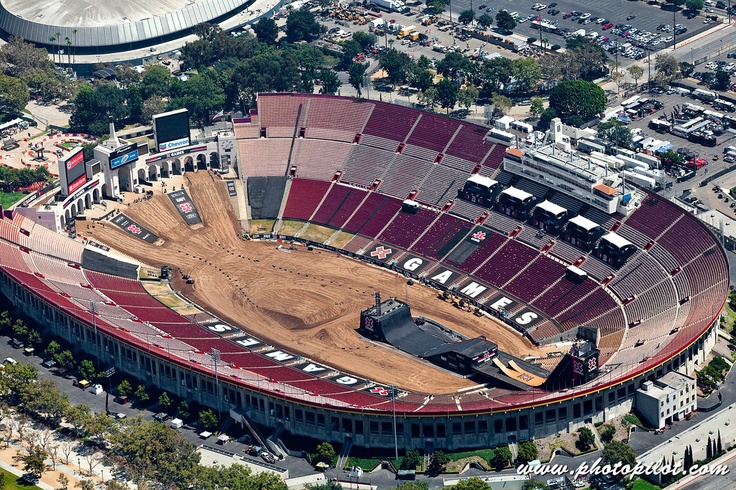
(660, 125)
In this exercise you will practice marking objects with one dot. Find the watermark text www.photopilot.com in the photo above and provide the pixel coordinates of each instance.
(620, 469)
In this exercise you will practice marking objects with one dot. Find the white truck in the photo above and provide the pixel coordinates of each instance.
(390, 5)
(376, 24)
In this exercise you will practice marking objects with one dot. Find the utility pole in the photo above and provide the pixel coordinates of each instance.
(393, 409)
(108, 375)
(216, 358)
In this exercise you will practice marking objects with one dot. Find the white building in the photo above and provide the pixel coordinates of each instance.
(667, 399)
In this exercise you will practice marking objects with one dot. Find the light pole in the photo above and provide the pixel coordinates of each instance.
(93, 310)
(108, 375)
(393, 409)
(79, 465)
(216, 357)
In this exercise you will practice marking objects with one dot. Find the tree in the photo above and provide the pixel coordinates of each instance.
(236, 477)
(150, 450)
(325, 453)
(420, 78)
(183, 410)
(467, 96)
(526, 72)
(505, 22)
(396, 64)
(501, 457)
(466, 17)
(365, 39)
(616, 132)
(618, 78)
(63, 481)
(537, 107)
(437, 462)
(413, 485)
(152, 106)
(577, 98)
(494, 74)
(501, 104)
(583, 59)
(330, 82)
(586, 439)
(125, 388)
(534, 485)
(719, 444)
(709, 449)
(34, 338)
(52, 349)
(454, 66)
(528, 451)
(87, 370)
(20, 329)
(666, 68)
(722, 80)
(616, 451)
(14, 94)
(208, 419)
(22, 57)
(34, 461)
(202, 94)
(266, 30)
(155, 81)
(5, 320)
(328, 485)
(356, 72)
(65, 358)
(694, 4)
(411, 460)
(671, 158)
(78, 416)
(607, 432)
(446, 94)
(472, 483)
(428, 97)
(485, 21)
(438, 5)
(686, 69)
(301, 26)
(636, 73)
(17, 378)
(93, 106)
(164, 401)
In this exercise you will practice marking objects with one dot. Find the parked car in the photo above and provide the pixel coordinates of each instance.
(268, 457)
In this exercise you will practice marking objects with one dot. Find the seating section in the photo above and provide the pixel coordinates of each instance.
(304, 197)
(536, 278)
(345, 117)
(441, 184)
(391, 121)
(404, 176)
(247, 131)
(348, 206)
(496, 157)
(433, 132)
(407, 227)
(506, 263)
(280, 110)
(331, 203)
(596, 304)
(366, 164)
(701, 271)
(636, 276)
(488, 247)
(563, 295)
(264, 157)
(373, 215)
(686, 231)
(320, 159)
(442, 231)
(654, 216)
(469, 143)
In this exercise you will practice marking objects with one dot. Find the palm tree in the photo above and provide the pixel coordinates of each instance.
(58, 45)
(74, 34)
(68, 51)
(52, 39)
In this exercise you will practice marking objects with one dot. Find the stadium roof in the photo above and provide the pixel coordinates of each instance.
(41, 27)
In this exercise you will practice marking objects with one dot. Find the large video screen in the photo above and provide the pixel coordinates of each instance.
(172, 130)
(124, 154)
(76, 175)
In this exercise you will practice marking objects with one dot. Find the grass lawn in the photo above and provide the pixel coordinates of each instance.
(261, 226)
(641, 484)
(12, 482)
(342, 239)
(171, 300)
(317, 233)
(7, 199)
(290, 227)
(368, 464)
(486, 454)
(730, 318)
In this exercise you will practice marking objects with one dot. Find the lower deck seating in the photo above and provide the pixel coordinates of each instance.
(407, 227)
(304, 197)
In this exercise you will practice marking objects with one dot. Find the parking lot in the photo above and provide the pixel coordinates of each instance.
(647, 17)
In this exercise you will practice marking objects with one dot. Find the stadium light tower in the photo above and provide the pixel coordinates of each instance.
(216, 358)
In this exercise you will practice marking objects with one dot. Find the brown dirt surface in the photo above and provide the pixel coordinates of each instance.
(303, 301)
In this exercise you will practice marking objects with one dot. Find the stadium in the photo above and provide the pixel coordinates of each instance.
(534, 306)
(105, 27)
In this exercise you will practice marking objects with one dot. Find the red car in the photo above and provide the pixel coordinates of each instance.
(607, 26)
(567, 15)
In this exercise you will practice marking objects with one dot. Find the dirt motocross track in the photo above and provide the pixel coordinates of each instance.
(304, 301)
